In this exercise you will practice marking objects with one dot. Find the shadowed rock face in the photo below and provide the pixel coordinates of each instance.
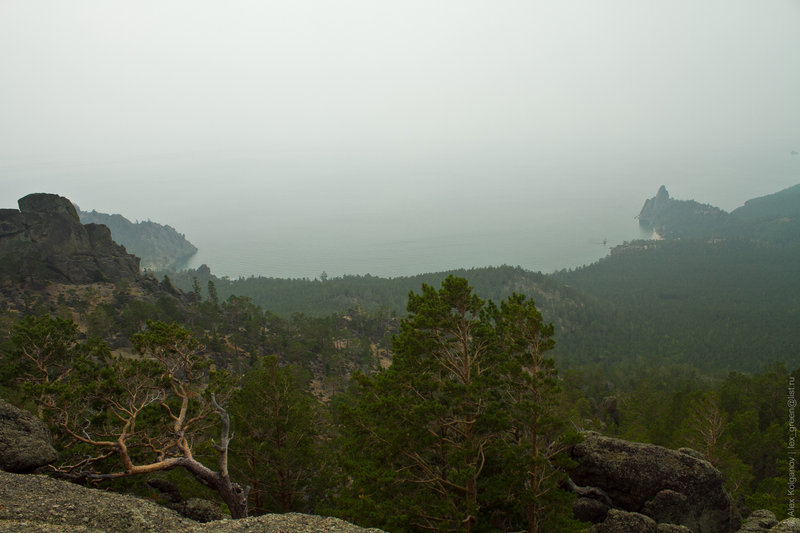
(668, 486)
(45, 239)
(24, 441)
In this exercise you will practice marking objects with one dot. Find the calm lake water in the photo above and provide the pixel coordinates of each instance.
(393, 244)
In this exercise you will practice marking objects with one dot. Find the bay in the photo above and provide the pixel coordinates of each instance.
(396, 244)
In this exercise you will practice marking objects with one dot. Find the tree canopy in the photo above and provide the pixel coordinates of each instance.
(451, 433)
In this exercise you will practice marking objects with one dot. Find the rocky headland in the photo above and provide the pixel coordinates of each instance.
(670, 218)
(773, 218)
(158, 246)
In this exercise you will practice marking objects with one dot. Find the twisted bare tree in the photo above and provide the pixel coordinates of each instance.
(128, 416)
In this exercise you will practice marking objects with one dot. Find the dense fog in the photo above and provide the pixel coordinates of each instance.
(286, 138)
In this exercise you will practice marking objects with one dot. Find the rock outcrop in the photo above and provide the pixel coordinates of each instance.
(45, 240)
(25, 442)
(39, 503)
(764, 521)
(790, 525)
(759, 521)
(653, 207)
(669, 487)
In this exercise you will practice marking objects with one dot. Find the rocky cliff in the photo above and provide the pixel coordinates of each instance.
(45, 240)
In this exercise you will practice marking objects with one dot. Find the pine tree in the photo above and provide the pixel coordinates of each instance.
(276, 449)
(457, 434)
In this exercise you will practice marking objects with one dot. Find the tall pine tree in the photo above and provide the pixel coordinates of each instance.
(454, 435)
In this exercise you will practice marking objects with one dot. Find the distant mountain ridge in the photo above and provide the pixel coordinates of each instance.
(780, 204)
(158, 246)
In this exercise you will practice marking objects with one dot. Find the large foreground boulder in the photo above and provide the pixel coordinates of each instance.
(764, 521)
(45, 505)
(668, 486)
(25, 442)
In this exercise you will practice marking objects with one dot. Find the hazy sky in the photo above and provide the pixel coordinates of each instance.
(185, 111)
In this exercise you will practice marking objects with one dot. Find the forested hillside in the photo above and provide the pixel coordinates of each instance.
(321, 297)
(720, 305)
(588, 328)
(681, 301)
(301, 368)
(785, 203)
(437, 401)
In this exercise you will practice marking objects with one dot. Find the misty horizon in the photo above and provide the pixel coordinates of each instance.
(358, 125)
